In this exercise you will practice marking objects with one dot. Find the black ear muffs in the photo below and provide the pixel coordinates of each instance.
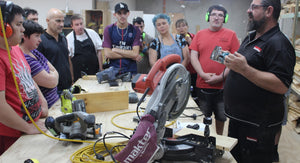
(6, 7)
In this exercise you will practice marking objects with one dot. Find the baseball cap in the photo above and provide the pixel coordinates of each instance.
(121, 6)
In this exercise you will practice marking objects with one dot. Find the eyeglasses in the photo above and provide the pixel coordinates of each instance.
(254, 6)
(217, 15)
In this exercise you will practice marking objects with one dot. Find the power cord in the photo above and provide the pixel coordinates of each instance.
(97, 154)
(132, 129)
(110, 151)
(140, 101)
(193, 116)
(99, 150)
(87, 154)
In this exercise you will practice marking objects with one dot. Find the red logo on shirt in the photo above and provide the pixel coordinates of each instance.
(258, 49)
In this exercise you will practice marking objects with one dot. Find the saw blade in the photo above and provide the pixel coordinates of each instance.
(170, 97)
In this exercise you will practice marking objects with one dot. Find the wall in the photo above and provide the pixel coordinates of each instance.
(131, 3)
(42, 6)
(195, 12)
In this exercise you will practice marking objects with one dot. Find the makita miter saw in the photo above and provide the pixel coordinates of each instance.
(169, 84)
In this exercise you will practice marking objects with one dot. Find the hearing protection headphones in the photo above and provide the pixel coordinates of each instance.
(6, 8)
(216, 7)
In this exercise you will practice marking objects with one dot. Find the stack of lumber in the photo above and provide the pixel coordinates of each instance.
(296, 78)
(294, 98)
(297, 47)
(289, 7)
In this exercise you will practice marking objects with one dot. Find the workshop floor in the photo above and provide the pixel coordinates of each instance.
(289, 144)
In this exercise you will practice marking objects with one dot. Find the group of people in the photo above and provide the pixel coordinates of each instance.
(248, 88)
(43, 62)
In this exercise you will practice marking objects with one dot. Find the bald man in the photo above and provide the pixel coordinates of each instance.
(55, 48)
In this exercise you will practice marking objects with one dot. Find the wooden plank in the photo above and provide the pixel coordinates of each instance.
(295, 89)
(89, 77)
(105, 101)
(297, 67)
(222, 142)
(296, 73)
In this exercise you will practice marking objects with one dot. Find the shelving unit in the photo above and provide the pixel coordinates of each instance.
(94, 20)
(288, 20)
(67, 23)
(289, 15)
(289, 24)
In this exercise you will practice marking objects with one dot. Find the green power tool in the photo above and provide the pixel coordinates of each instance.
(67, 98)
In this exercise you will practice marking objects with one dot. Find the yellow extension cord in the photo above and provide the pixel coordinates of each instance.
(87, 154)
(126, 128)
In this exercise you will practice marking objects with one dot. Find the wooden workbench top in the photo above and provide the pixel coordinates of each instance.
(48, 150)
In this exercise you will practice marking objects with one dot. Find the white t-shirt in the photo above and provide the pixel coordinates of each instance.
(93, 35)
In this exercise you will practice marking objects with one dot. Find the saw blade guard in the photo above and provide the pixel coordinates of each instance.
(169, 98)
(172, 93)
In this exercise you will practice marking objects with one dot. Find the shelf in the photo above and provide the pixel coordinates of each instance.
(295, 91)
(289, 15)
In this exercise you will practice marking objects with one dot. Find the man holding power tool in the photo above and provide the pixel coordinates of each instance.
(13, 118)
(211, 74)
(261, 72)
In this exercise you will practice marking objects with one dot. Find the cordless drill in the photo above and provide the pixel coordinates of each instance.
(66, 101)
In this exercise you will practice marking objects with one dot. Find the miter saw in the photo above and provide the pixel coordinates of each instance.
(169, 84)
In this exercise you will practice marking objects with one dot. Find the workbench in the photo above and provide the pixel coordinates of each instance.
(48, 150)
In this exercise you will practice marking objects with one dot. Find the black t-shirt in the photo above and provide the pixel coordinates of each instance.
(244, 101)
(58, 55)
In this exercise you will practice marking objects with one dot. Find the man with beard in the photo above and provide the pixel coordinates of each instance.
(260, 74)
(211, 74)
(122, 41)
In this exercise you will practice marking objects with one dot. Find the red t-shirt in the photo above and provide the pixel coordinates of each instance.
(26, 85)
(204, 43)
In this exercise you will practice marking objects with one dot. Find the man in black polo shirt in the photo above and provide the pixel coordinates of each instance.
(260, 74)
(55, 48)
